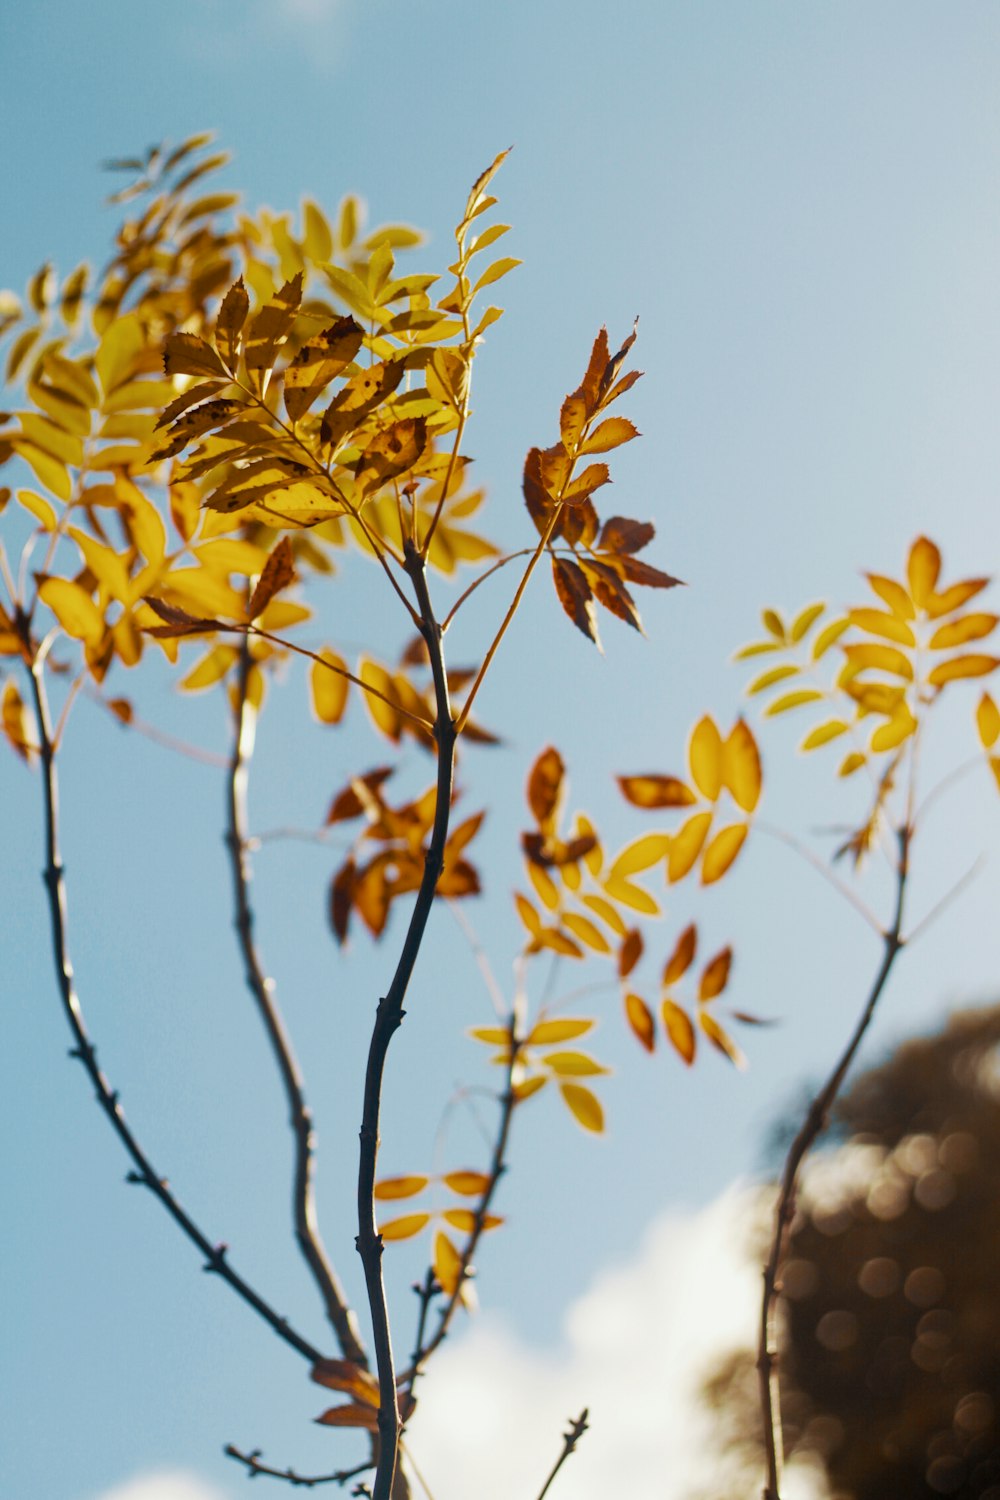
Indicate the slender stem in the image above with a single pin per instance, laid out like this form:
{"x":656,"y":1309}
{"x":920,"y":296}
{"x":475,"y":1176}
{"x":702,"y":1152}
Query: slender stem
{"x":498,"y":1167}
{"x":812,"y":1126}
{"x":946,"y":900}
{"x":366,"y":687}
{"x":251,"y":1462}
{"x":307,"y":1234}
{"x":495,"y":568}
{"x":840,"y":886}
{"x":577,"y":1427}
{"x":84,"y":1050}
{"x":388,"y":1018}
{"x":543,"y":542}
{"x":158,"y":736}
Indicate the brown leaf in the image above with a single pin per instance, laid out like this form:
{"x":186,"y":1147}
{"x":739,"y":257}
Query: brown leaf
{"x":575,"y":597}
{"x":619,"y":534}
{"x":277,"y":574}
{"x":178,"y":621}
{"x":269,"y":328}
{"x":545,"y":788}
{"x":185,"y":354}
{"x":229,"y":325}
{"x":611,"y":592}
{"x":647,"y":576}
{"x":319,"y":361}
{"x":536,"y":497}
{"x":342,"y":899}
{"x":357,"y":796}
{"x":391,"y":452}
{"x":362,"y":395}
{"x":656,"y":791}
{"x":630,"y":952}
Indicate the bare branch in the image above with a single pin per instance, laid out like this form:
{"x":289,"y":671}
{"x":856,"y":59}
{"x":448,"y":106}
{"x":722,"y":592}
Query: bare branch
{"x":251,"y":1462}
{"x":215,"y":1254}
{"x":577,"y":1427}
{"x":307,"y":1234}
{"x":388,"y":1018}
{"x":813,"y":1125}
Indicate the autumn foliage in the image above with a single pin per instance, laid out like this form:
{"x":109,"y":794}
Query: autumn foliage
{"x":234,"y":405}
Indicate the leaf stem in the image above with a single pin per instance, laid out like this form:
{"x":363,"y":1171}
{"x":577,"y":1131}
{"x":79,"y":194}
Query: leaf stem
{"x":307,"y":1234}
{"x":840,"y":886}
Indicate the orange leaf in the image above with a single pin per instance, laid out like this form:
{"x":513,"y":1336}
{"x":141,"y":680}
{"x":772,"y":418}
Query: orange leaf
{"x":469,"y":1184}
{"x":399,"y":1187}
{"x":545,"y":788}
{"x":350,"y":1416}
{"x":640,"y":1019}
{"x":679,"y":1030}
{"x":277,"y":574}
{"x":656,"y":791}
{"x":715,"y":975}
{"x":630,"y":952}
{"x":721,"y":1039}
{"x":893,"y":594}
{"x":680,"y":960}
{"x":405,"y":1227}
{"x":447,"y":1264}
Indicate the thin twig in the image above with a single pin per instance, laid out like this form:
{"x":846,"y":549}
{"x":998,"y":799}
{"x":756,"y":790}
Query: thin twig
{"x":498,"y":1167}
{"x":946,"y":900}
{"x":158,"y":736}
{"x":388,"y":1018}
{"x":577,"y":1427}
{"x":366,"y":687}
{"x":307,"y":1234}
{"x":84,"y":1050}
{"x":811,"y":1128}
{"x":495,"y":568}
{"x":251,"y":1462}
{"x":821,"y":868}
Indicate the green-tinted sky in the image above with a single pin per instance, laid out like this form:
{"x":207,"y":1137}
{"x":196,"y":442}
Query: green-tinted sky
{"x":801,"y":203}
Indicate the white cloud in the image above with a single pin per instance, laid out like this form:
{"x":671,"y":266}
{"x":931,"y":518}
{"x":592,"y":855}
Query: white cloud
{"x":173,"y":1484}
{"x":637,"y":1347}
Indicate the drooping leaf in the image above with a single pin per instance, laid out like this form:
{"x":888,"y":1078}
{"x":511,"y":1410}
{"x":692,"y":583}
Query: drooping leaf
{"x":575,"y":596}
{"x":640,"y":1019}
{"x":741,"y":768}
{"x":685,"y":846}
{"x":73,"y":607}
{"x":680,"y":1032}
{"x":584,"y":1106}
{"x":583,"y":929}
{"x":682,"y":957}
{"x":721,"y":1039}
{"x":627,"y":893}
{"x":447,"y":1264}
{"x":630,"y":952}
{"x":545,"y":788}
{"x":715,"y":975}
{"x":721,"y":852}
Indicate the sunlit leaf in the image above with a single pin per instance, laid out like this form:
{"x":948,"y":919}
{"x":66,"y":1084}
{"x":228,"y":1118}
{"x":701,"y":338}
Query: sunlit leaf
{"x":715,"y":975}
{"x":705,"y":758}
{"x":405,"y":1227}
{"x":656,"y":791}
{"x":954,"y":597}
{"x":679,"y":1030}
{"x":922,"y":569}
{"x":268,"y":329}
{"x":988,"y":722}
{"x":584,"y":1105}
{"x":543,"y":1033}
{"x":893,"y":594}
{"x":606,"y":912}
{"x":228,"y":327}
{"x":17,"y":723}
{"x":962,"y":666}
{"x":575,"y":596}
{"x":469,"y":1184}
{"x":73,"y":608}
{"x":899,"y":728}
{"x":878,"y":622}
{"x":493,"y":1036}
{"x":959,"y":632}
{"x":851,"y":763}
{"x":875,"y":658}
{"x":39,"y":507}
{"x":447,"y":1264}
{"x":466,"y":1222}
{"x":823,"y":733}
{"x":804,"y":621}
{"x":399,"y":1187}
{"x":545,"y":788}
{"x":722,"y":851}
{"x":278,"y":573}
{"x":640,"y":1019}
{"x":721,"y":1039}
{"x":350,"y":1415}
{"x":585,"y":930}
{"x":572,"y":1065}
{"x":769,"y":678}
{"x":186,"y":354}
{"x":685,"y":846}
{"x":792,"y":700}
{"x":641,"y":854}
{"x":627,"y":893}
{"x":528,"y":914}
{"x":827,"y":637}
{"x":741,"y":768}
{"x":682,"y":957}
{"x":320,"y":359}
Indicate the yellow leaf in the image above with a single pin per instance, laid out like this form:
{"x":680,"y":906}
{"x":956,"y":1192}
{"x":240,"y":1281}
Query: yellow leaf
{"x":610,"y":433}
{"x":741,"y":771}
{"x":792,"y":700}
{"x":121,"y":344}
{"x":399,"y":1187}
{"x":17,"y":725}
{"x":606,"y":912}
{"x":823,"y":733}
{"x":827,"y":637}
{"x":705,"y":758}
{"x":211,"y":669}
{"x":641,"y":854}
{"x":873,"y":658}
{"x":656,"y":791}
{"x":954,"y":597}
{"x":572,"y":1064}
{"x":495,"y":271}
{"x":768,"y":679}
{"x":686,"y":845}
{"x":48,"y":470}
{"x":715,"y":975}
{"x":640,"y":1019}
{"x":545,"y":886}
{"x":627,"y":893}
{"x":877,"y":622}
{"x":755,"y":648}
{"x":493,"y":1036}
{"x":383,"y":715}
{"x":552,"y":937}
{"x":722,"y":851}
{"x":469,"y":1184}
{"x":681,"y":959}
{"x":528,"y":914}
{"x":405,"y":1227}
{"x":721,"y":1039}
{"x":580,"y":927}
{"x":962,"y":666}
{"x":108,"y":567}
{"x":774,"y":623}
{"x":679,"y":1030}
{"x":988,"y":722}
{"x":803,"y":622}
{"x":328,"y":687}
{"x":959,"y":632}
{"x":584,"y":1105}
{"x":73,"y":608}
{"x":899,"y":728}
{"x":566,"y":1030}
{"x":447,"y":1264}
{"x":39,"y":507}
{"x":851,"y":763}
{"x":464,"y":1220}
{"x":893,"y":594}
{"x":922,"y":569}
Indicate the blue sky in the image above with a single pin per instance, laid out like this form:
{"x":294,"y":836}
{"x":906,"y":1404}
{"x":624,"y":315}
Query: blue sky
{"x":801,"y":204}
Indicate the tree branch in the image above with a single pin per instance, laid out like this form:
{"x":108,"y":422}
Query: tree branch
{"x":251,"y":1462}
{"x":577,"y":1427}
{"x":84,"y":1050}
{"x":307,"y":1234}
{"x":388,"y":1018}
{"x":814,"y":1123}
